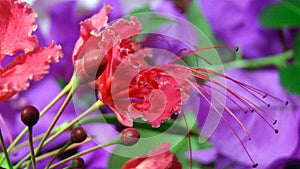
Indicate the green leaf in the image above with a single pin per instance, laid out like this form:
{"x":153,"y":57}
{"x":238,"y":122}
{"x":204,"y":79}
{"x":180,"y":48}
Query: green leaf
{"x":290,"y":78}
{"x":141,"y":10}
{"x":196,"y":17}
{"x":296,"y":48}
{"x":294,"y":2}
{"x":282,"y":14}
{"x":4,"y":164}
{"x":150,"y":20}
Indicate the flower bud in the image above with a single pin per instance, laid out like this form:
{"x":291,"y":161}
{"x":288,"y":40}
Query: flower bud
{"x":91,"y":65}
{"x":30,"y":116}
{"x":78,"y":162}
{"x":129,"y":136}
{"x":78,"y":135}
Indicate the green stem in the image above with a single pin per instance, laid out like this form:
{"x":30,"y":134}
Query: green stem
{"x":74,"y":85}
{"x":59,"y":113}
{"x":23,"y":132}
{"x":59,"y":152}
{"x":4,"y":150}
{"x":276,"y":60}
{"x":115,"y":141}
{"x":52,"y":153}
{"x":70,"y":166}
{"x":111,"y":119}
{"x":31,"y":147}
{"x":94,"y":107}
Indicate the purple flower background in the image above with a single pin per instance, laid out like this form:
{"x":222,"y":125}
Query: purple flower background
{"x":234,"y":23}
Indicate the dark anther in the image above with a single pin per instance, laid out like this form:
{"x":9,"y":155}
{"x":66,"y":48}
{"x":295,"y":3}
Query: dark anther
{"x":236,"y":48}
{"x":276,"y":131}
{"x":255,"y":165}
{"x":274,"y":122}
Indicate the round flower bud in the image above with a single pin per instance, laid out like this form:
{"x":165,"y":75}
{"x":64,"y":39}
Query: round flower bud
{"x":129,"y":136}
{"x":78,"y":162}
{"x":30,"y":116}
{"x":78,"y":135}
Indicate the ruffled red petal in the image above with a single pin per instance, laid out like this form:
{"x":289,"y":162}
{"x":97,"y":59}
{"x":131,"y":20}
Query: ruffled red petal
{"x":16,"y":25}
{"x":33,"y":65}
{"x":90,"y":28}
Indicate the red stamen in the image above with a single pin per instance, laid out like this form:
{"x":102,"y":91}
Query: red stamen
{"x":228,"y":124}
{"x":263,"y":93}
{"x":224,"y":106}
{"x":231,"y":99}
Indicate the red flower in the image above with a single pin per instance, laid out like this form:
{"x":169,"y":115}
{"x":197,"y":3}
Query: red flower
{"x":135,"y":87}
{"x":160,"y":158}
{"x":128,"y":85}
{"x":16,"y":25}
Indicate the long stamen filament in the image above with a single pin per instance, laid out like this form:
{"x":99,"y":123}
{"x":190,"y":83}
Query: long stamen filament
{"x":226,"y":108}
{"x":227,"y":123}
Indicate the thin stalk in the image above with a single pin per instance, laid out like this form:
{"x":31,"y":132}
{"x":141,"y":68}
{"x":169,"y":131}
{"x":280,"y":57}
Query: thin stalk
{"x":23,"y":132}
{"x":95,"y":106}
{"x":50,"y":154}
{"x":4,"y":151}
{"x":74,"y":86}
{"x":59,"y":113}
{"x":31,"y":147}
{"x":61,"y":150}
{"x":279,"y":60}
{"x":115,"y":141}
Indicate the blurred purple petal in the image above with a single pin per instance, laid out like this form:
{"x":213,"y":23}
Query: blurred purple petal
{"x":236,"y":23}
{"x":205,"y":156}
{"x":285,"y":163}
{"x":224,"y":162}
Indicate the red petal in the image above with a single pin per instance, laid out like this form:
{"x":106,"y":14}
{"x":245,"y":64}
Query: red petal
{"x":16,"y":25}
{"x":160,"y":158}
{"x":90,"y":27}
{"x":161,"y":95}
{"x":110,"y":93}
{"x":133,"y":162}
{"x":33,"y":65}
